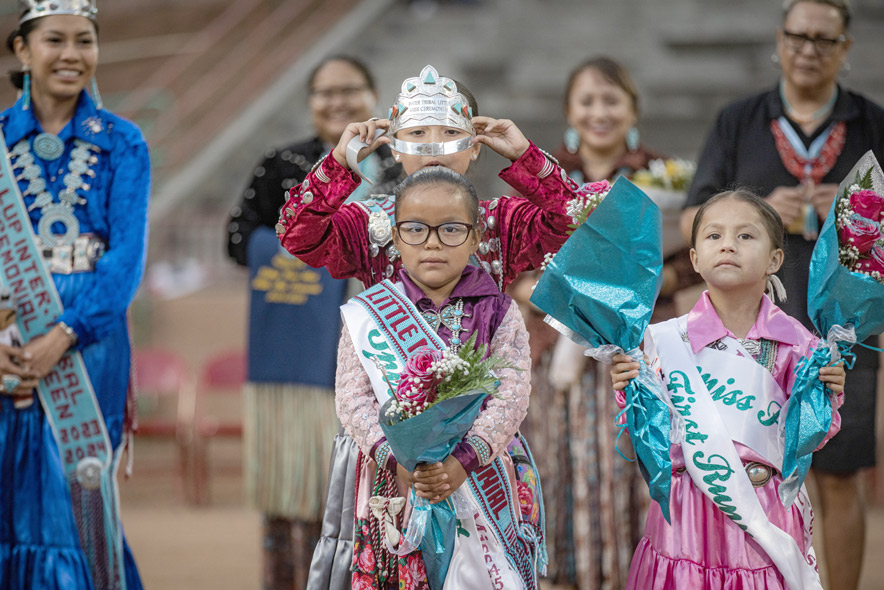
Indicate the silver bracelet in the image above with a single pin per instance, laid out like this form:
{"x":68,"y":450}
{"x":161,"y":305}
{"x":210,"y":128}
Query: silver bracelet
{"x":70,"y":332}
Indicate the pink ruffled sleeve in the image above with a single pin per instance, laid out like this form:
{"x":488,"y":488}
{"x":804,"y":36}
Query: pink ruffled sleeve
{"x":355,"y":402}
{"x":500,"y":419}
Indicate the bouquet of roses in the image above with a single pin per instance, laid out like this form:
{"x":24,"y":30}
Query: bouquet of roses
{"x":604,"y":301}
{"x":434,"y":404}
{"x":845,"y":302}
{"x":436,"y":401}
{"x":589,"y":196}
{"x":859,"y":217}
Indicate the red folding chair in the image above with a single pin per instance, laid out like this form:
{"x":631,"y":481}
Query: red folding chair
{"x":219,"y":388}
{"x":166,"y":395}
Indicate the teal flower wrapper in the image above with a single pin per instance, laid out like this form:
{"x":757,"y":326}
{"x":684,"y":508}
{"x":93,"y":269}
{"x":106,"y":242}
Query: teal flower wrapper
{"x":601,"y":288}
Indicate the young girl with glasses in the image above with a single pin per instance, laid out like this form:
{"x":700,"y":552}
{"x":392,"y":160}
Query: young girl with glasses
{"x":436,"y":236}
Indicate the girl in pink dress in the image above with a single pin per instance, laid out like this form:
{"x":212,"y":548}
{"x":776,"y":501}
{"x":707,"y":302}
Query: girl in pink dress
{"x":728,"y":367}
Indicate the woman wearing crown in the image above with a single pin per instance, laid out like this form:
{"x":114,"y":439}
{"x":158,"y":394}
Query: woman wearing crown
{"x":74,"y":187}
{"x":433,"y":122}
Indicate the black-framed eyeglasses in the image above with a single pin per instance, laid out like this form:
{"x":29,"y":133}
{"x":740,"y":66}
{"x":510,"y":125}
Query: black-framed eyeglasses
{"x":416,"y":233}
{"x":823,"y":46}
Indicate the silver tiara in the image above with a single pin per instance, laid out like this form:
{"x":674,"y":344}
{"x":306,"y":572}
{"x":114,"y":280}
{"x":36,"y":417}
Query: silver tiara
{"x":31,"y":9}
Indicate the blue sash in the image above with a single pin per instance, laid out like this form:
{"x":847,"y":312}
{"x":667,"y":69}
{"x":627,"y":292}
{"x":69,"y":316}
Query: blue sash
{"x":66,"y":393}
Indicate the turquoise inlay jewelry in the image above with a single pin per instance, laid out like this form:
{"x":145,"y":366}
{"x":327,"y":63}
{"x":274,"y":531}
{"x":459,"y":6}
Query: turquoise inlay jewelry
{"x":48,"y":147}
{"x":54,"y":213}
{"x":450,"y":316}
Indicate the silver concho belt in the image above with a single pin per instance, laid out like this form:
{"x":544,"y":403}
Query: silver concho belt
{"x":80,"y":256}
{"x":759,"y":473}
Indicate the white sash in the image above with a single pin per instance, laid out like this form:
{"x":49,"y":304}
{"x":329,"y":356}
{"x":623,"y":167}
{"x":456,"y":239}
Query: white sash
{"x":715,"y":466}
{"x":386,"y":327}
{"x":747,"y":397}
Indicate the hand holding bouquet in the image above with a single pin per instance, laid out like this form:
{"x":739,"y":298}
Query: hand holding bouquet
{"x":436,"y":401}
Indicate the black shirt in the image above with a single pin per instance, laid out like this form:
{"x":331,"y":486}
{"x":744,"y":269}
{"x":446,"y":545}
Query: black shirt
{"x":741,"y":151}
{"x":279,"y":171}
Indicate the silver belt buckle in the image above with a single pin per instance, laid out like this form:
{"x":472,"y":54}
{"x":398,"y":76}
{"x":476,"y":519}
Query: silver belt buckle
{"x":759,"y":473}
{"x":80,"y":256}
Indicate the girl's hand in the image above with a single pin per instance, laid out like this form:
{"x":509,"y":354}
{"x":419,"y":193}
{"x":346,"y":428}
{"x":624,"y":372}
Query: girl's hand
{"x":365,"y":132}
{"x":834,"y":376}
{"x":502,"y":136}
{"x":47,"y":350}
{"x":623,"y":370}
{"x":437,"y":481}
{"x":15,"y":361}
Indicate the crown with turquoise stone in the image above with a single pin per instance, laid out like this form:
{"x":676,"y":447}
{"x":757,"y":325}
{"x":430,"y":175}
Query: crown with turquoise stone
{"x":430,"y":99}
{"x":31,"y":9}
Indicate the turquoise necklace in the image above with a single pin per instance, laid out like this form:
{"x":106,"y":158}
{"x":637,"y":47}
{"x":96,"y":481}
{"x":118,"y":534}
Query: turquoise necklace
{"x":50,"y":148}
{"x":814,"y":116}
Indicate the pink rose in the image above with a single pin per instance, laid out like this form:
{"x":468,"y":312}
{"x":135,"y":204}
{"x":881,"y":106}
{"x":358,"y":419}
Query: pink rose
{"x":419,"y":364}
{"x":596,"y":187}
{"x":362,"y":582}
{"x":867,"y":203}
{"x":366,"y":560}
{"x":526,"y":499}
{"x":875,"y":262}
{"x":418,"y":382}
{"x":861,"y":233}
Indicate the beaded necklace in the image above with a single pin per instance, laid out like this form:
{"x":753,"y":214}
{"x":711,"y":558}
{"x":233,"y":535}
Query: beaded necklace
{"x":82,"y":160}
{"x":814,"y":116}
{"x":764,"y":351}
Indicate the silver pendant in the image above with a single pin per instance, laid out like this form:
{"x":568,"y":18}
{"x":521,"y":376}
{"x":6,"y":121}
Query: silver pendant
{"x":48,"y":147}
{"x":373,"y":250}
{"x":58,"y":213}
{"x":496,"y":266}
{"x":483,"y":248}
{"x":492,"y":223}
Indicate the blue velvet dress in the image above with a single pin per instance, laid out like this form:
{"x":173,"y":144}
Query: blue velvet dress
{"x":39,"y":544}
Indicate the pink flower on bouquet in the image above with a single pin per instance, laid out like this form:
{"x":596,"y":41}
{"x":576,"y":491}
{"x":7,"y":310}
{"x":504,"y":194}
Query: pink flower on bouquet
{"x":867,"y":203}
{"x":418,"y":381}
{"x":860,"y":232}
{"x":602,"y":186}
{"x":874,"y":263}
{"x":526,"y":498}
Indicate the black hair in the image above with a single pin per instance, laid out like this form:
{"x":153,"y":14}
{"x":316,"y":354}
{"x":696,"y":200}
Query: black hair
{"x":771,"y":220}
{"x":357,"y":64}
{"x":17,"y":77}
{"x":842,"y":6}
{"x":439,"y":175}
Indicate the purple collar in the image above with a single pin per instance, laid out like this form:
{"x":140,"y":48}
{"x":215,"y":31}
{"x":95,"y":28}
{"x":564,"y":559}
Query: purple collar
{"x":474,"y":282}
{"x":772,"y":323}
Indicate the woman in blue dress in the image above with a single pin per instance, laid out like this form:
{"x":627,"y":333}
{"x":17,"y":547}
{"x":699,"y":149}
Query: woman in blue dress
{"x":84,"y":175}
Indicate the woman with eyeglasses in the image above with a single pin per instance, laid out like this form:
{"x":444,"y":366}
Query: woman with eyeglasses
{"x":794,"y":143}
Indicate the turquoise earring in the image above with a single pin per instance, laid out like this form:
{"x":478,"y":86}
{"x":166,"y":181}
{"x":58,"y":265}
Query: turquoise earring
{"x":96,"y":97}
{"x":572,"y":140}
{"x":632,"y":139}
{"x":26,"y":88}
